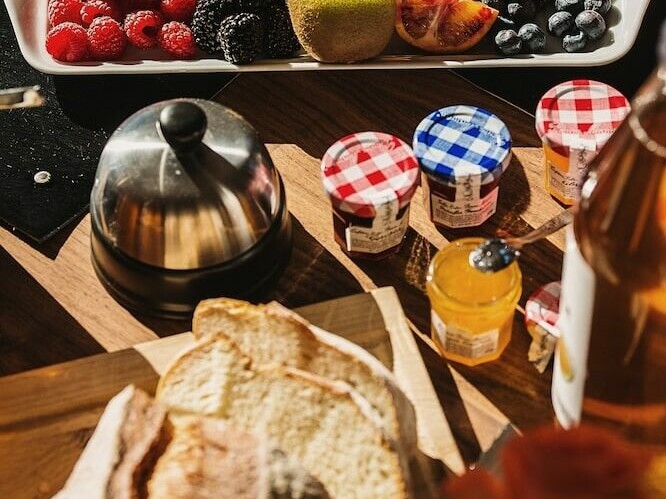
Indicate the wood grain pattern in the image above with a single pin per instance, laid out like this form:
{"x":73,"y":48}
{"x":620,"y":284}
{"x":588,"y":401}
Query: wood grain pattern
{"x":299,"y":115}
{"x":322,"y":108}
{"x":51,"y":411}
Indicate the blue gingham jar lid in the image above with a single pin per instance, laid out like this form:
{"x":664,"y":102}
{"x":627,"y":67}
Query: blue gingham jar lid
{"x":459,"y":141}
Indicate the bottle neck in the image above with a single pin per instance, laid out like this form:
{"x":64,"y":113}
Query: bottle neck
{"x":651,"y":96}
{"x":620,"y":224}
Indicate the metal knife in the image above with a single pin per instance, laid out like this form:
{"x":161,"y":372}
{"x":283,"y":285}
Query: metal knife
{"x":490,"y":460}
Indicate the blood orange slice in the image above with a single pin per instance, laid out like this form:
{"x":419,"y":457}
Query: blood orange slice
{"x":443,"y":25}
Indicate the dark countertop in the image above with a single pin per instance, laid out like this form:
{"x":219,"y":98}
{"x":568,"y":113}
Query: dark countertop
{"x":66,"y":137}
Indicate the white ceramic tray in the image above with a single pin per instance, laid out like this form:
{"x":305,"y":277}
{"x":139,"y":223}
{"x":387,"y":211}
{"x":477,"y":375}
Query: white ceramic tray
{"x":30,"y":24}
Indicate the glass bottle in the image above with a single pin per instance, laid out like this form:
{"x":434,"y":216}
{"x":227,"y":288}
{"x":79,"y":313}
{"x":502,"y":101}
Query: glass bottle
{"x":617,"y":320}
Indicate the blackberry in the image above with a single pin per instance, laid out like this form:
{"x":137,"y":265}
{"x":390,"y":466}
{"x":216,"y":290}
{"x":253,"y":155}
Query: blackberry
{"x":208,"y":16}
{"x":279,"y":37}
{"x":240,"y":37}
{"x":251,"y":6}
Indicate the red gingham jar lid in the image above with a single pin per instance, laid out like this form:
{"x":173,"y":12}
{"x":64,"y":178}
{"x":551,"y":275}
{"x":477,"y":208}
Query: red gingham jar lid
{"x":578,"y":109}
{"x":543,"y":307}
{"x":362,"y":169}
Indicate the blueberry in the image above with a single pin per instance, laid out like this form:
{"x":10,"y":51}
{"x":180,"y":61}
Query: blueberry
{"x":574,"y":43}
{"x":531,"y":5}
{"x":496,"y":4}
{"x":540,"y":4}
{"x":591,"y":23}
{"x":504,"y":22}
{"x":522,"y":12}
{"x":601,"y":6}
{"x":508,"y":42}
{"x":571,"y":6}
{"x":560,"y":23}
{"x":534,"y":40}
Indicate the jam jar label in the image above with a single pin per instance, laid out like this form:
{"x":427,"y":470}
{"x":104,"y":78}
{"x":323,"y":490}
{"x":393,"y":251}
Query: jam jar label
{"x":468,"y":209}
{"x":460,"y":342}
{"x":567,"y":184}
{"x":387,"y":229}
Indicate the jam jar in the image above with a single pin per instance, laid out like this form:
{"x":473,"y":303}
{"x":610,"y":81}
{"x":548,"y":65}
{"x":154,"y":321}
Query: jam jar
{"x":574,"y":120}
{"x":462,"y":151}
{"x":370,"y":179}
{"x":471,"y":311}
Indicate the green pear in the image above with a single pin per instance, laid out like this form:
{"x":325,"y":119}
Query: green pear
{"x":343,"y":30}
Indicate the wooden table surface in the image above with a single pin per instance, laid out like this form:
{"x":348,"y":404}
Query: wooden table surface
{"x":53,"y":309}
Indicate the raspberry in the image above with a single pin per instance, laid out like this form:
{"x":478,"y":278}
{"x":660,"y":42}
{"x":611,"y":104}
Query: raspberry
{"x":61,"y":11}
{"x":176,"y":39}
{"x":67,"y":42}
{"x":142,"y":28}
{"x":178,"y":10}
{"x":127,"y":6}
{"x":106,"y":39}
{"x":99,"y":8}
{"x":240,"y":38}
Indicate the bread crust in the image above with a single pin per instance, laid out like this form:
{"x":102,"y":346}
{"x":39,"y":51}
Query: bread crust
{"x":122,"y":451}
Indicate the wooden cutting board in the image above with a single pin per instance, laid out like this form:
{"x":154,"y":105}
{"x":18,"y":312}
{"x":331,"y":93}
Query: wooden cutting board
{"x":47,"y":415}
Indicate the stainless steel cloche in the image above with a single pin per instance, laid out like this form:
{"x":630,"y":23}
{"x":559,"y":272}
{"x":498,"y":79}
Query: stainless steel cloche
{"x":186,"y":205}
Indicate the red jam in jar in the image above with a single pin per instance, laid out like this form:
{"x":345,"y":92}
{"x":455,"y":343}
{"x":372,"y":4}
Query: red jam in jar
{"x":462,"y":151}
{"x":370,"y":178}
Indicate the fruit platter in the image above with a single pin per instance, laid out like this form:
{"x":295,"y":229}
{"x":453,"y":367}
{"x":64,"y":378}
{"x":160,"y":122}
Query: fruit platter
{"x":160,"y":36}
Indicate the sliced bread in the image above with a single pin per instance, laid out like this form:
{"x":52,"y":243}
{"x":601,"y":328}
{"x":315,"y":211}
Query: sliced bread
{"x":272,"y":335}
{"x":136,"y":452}
{"x":120,"y":454}
{"x":207,"y":459}
{"x":330,"y":429}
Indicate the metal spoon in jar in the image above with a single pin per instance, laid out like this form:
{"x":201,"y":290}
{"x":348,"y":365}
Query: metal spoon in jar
{"x":496,"y":254}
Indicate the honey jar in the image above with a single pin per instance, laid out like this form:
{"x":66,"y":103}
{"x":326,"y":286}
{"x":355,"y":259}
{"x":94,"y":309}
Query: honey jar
{"x":471,"y":312}
{"x":370,"y":179}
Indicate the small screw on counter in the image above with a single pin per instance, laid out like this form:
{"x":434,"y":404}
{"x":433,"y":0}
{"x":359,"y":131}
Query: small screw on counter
{"x":42,"y":177}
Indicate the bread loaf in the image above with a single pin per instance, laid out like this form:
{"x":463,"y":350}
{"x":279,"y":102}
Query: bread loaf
{"x":206,"y":459}
{"x":120,"y":454}
{"x":136,"y":452}
{"x":330,"y":429}
{"x":271,"y":334}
